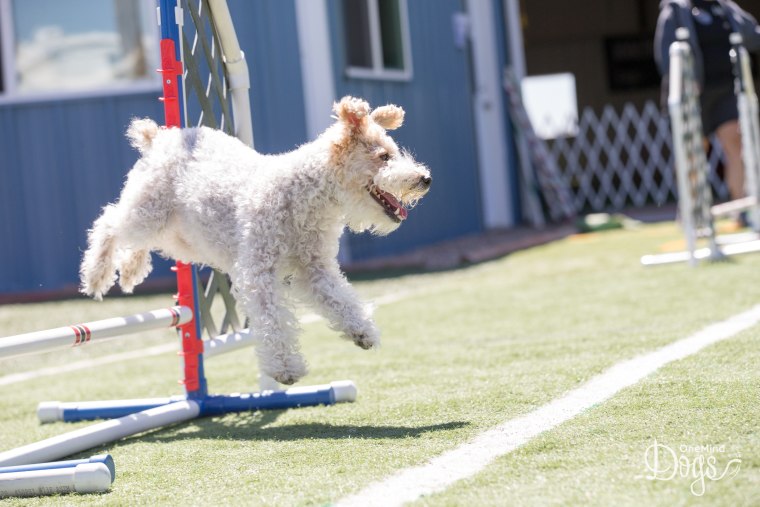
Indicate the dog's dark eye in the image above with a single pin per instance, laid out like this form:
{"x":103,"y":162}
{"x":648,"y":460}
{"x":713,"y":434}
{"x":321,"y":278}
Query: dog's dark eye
{"x":385,"y":157}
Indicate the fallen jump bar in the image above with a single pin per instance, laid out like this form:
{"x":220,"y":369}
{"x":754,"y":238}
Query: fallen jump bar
{"x":733,"y":206}
{"x":82,"y":478}
{"x":98,"y":434}
{"x":82,"y":333}
{"x":105,"y":459}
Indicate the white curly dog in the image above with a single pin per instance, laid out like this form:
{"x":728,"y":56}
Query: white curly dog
{"x":272,"y":222}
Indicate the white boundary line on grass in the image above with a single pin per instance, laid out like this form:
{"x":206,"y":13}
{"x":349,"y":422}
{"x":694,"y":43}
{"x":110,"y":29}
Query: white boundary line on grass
{"x":157,"y":350}
{"x":470,"y":458}
{"x":88,"y":363}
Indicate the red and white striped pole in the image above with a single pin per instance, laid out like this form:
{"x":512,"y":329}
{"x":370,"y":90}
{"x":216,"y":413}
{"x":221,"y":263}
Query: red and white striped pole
{"x":79,"y":334}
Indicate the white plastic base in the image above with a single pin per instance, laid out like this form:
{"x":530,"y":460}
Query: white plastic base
{"x":345,"y":391}
{"x":701,"y":253}
{"x":49,"y":411}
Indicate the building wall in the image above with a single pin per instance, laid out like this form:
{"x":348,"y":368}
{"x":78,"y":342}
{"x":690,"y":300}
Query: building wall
{"x":267,"y":34}
{"x":61,"y":161}
{"x":438,"y":127}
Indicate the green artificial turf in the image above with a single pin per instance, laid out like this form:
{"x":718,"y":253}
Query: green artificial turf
{"x":463,"y":350}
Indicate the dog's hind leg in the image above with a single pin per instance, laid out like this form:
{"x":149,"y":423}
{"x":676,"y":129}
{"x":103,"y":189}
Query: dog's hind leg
{"x":273,"y":323}
{"x":134,"y":266}
{"x":98,"y":269}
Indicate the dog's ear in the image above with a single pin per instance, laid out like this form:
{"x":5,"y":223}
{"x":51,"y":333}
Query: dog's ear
{"x":389,"y":117}
{"x":353,"y":112}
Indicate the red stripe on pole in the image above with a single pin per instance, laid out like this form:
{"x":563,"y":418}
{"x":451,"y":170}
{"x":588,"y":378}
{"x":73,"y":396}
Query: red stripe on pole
{"x":192,"y":346}
{"x":77,"y":335}
{"x":82,"y":334}
{"x":170,"y":70}
{"x":175,"y":317}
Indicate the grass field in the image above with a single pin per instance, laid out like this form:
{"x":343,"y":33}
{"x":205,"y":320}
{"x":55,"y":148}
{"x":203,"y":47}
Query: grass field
{"x":463,"y":351}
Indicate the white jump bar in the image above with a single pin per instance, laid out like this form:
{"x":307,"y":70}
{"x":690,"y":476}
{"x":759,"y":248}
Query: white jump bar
{"x":733,"y":206}
{"x":81,"y":333}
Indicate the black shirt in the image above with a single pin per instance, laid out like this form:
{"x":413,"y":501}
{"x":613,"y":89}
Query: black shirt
{"x":713,"y":29}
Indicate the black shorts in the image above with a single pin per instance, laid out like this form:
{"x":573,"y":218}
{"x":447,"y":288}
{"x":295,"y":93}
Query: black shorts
{"x":718,"y":106}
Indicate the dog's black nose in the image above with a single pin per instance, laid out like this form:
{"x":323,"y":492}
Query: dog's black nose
{"x":426,"y":180}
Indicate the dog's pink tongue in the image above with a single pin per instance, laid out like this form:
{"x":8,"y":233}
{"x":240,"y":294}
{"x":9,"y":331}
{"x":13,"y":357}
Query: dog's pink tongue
{"x":401,"y":212}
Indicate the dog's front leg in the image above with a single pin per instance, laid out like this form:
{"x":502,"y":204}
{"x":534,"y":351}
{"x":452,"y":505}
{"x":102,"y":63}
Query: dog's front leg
{"x":334,"y":297}
{"x":273,"y":324}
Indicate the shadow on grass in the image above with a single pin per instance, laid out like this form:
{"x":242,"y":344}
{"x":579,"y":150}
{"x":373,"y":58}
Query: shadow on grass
{"x":258,"y":426}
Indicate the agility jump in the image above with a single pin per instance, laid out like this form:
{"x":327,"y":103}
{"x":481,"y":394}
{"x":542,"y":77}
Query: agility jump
{"x":129,"y":417}
{"x":696,"y":211}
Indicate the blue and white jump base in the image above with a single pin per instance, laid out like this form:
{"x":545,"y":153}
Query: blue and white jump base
{"x":129,"y":417}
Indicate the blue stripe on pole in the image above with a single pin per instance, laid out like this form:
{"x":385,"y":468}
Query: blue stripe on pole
{"x":107,"y":412}
{"x":267,"y":400}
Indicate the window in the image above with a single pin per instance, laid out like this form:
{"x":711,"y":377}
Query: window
{"x":58,"y":47}
{"x":377,"y":39}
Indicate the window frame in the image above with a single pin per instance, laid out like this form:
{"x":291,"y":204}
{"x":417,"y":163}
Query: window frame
{"x":9,"y":93}
{"x":378,"y":71}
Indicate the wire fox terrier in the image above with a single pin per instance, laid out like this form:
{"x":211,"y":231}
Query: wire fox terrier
{"x":272,"y":222}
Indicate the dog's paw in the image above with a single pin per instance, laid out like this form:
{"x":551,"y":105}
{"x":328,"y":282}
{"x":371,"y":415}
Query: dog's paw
{"x":288,"y":371}
{"x":95,"y":293}
{"x":286,"y":378}
{"x":367,"y":338}
{"x":366,"y":342}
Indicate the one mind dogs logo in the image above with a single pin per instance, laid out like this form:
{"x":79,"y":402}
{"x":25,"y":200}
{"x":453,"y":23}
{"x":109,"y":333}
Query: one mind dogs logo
{"x":700,"y":463}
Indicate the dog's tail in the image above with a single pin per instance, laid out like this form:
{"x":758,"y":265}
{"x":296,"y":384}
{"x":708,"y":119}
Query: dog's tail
{"x":141,"y":132}
{"x":98,"y":269}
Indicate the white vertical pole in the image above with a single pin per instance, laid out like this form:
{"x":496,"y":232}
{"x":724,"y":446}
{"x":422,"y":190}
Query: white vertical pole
{"x":7,"y":47}
{"x":516,"y":49}
{"x":316,"y":64}
{"x":680,"y":158}
{"x":750,"y":131}
{"x":513,"y":25}
{"x":317,"y":80}
{"x":490,"y":125}
{"x":237,"y":70}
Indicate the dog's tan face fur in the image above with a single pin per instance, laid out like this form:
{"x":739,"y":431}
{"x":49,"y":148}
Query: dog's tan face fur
{"x":383,"y":181}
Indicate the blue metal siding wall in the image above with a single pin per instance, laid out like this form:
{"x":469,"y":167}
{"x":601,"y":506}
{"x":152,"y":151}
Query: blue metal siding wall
{"x":438,"y":128}
{"x":512,"y":160}
{"x":268,"y":36}
{"x":59,"y":164}
{"x":62,"y":161}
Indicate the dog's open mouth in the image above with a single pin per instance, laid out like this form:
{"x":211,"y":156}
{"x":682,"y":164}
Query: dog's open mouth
{"x":390,"y":204}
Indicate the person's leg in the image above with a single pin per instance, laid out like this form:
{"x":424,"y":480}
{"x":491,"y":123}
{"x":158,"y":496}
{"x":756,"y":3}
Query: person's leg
{"x":731,"y":141}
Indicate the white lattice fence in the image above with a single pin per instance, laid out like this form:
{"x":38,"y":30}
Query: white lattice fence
{"x":623,"y":159}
